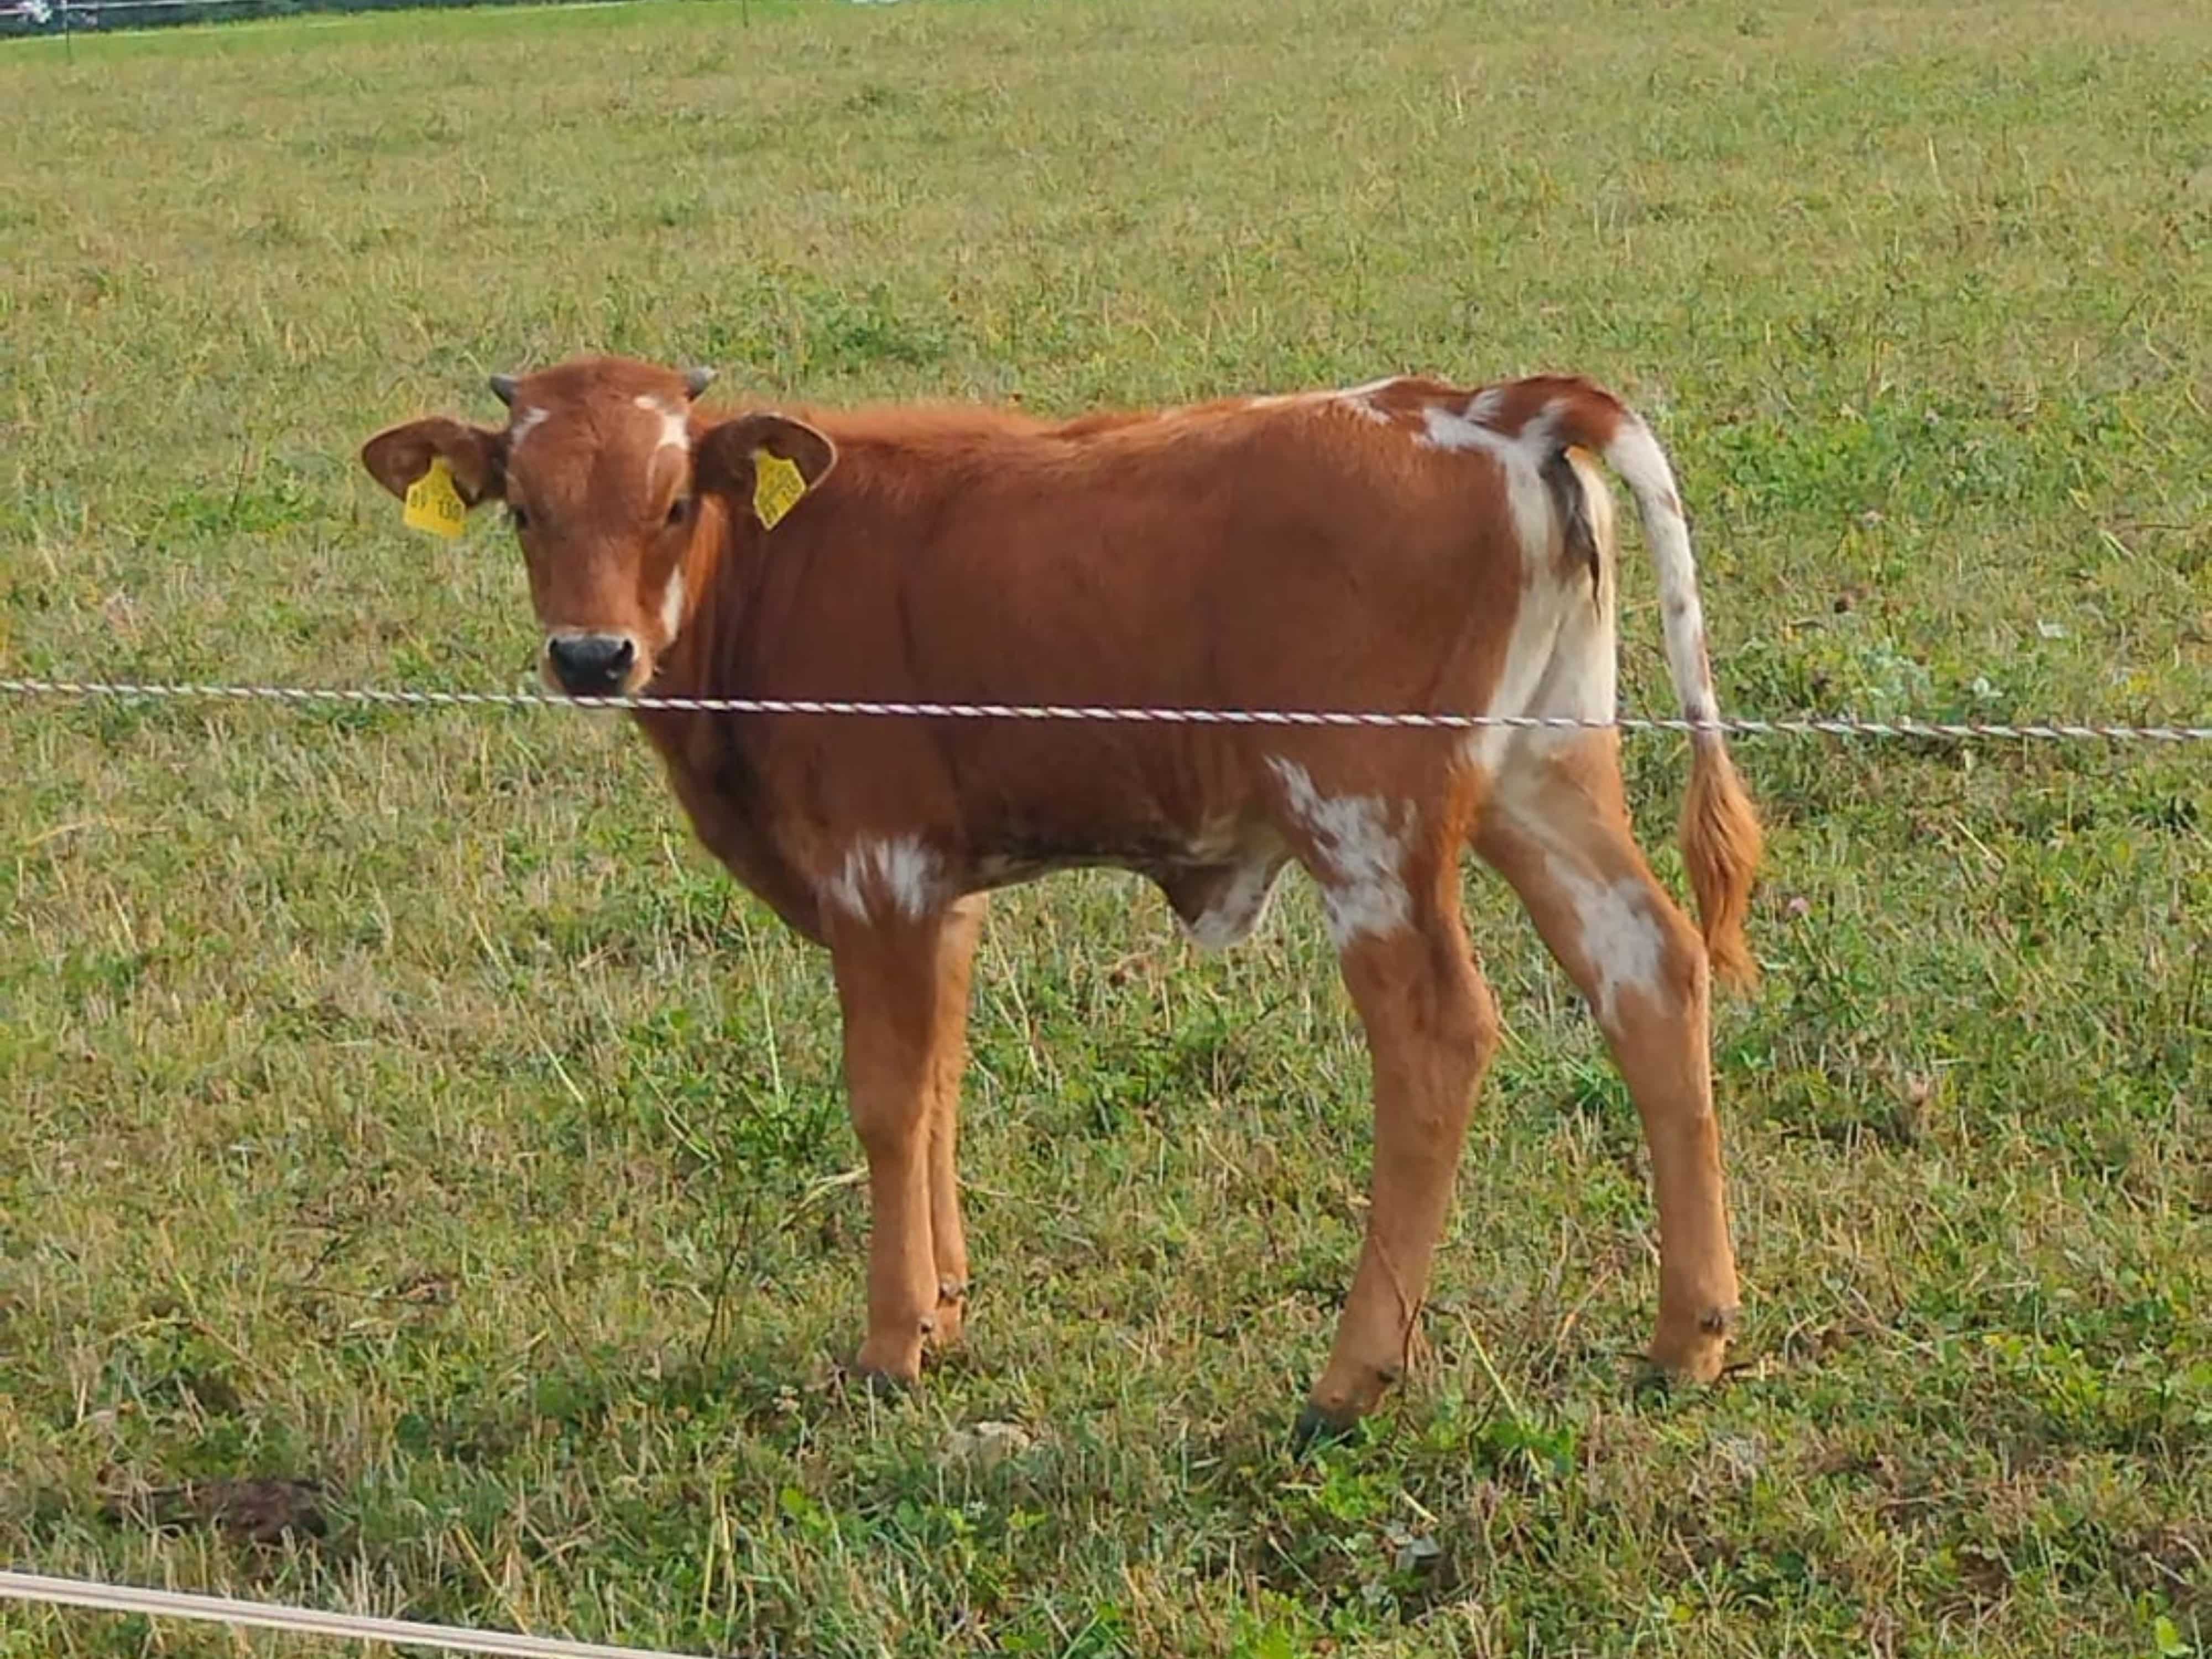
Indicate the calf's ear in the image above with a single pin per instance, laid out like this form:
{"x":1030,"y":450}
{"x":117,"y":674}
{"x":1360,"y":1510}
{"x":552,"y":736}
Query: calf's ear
{"x":768,"y":463}
{"x":398,"y":456}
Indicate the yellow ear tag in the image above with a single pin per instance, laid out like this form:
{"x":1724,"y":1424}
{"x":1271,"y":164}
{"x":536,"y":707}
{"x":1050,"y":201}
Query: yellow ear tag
{"x":777,"y":486}
{"x":433,"y":503}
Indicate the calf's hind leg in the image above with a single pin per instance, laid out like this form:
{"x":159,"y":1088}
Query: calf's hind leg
{"x":1556,"y":826}
{"x":1431,"y":1026}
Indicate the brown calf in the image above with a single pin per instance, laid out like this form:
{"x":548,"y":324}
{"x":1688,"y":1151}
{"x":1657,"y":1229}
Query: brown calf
{"x":1399,"y":546}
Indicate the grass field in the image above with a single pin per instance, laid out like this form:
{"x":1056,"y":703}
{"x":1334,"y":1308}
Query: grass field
{"x":400,"y":1103}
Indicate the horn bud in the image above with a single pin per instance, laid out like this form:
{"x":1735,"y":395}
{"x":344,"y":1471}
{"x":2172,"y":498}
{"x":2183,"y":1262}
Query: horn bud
{"x":503,"y":386}
{"x":696,"y":380}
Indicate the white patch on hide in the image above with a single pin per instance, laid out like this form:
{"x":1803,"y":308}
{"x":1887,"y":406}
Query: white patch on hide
{"x":899,"y":871}
{"x":1360,"y":400}
{"x":1579,"y":668}
{"x":1620,"y":936}
{"x":1529,"y":655}
{"x":1361,"y":854}
{"x":675,"y":423}
{"x":1520,"y":459}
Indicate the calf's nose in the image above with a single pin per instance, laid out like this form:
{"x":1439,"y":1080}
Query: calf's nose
{"x":591,"y":664}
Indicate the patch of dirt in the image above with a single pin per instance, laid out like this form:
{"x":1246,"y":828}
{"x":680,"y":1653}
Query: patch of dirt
{"x":253,"y":1511}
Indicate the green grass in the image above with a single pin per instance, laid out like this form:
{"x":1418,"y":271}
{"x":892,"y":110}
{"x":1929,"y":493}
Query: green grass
{"x":400,"y":1101}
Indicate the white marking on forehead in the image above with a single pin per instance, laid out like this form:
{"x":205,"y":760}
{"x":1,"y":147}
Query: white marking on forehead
{"x":526,"y":421}
{"x":899,"y":869}
{"x":675,"y":424}
{"x":671,"y":607}
{"x":1362,"y":884}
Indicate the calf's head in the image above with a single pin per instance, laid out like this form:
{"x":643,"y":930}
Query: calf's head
{"x":611,"y":476}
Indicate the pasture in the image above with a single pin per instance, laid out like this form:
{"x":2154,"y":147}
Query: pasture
{"x":400,"y":1102}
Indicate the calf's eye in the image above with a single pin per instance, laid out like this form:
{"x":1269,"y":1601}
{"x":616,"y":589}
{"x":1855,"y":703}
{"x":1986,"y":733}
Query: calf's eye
{"x":679,"y":510}
{"x":517,"y":517}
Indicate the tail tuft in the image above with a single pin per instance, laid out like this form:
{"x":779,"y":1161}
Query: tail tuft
{"x":1721,"y":845}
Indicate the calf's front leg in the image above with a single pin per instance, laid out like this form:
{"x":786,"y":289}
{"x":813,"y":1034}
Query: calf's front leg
{"x":956,"y":955}
{"x":903,"y":991}
{"x":1431,"y":1028}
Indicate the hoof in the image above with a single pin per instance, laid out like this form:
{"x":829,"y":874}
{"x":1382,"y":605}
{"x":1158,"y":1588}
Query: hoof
{"x":896,"y":1358}
{"x":952,"y":1318}
{"x":883,"y":1382}
{"x":1665,"y":1372}
{"x":1696,"y":1356}
{"x":1317,"y":1427}
{"x":884,"y":1386}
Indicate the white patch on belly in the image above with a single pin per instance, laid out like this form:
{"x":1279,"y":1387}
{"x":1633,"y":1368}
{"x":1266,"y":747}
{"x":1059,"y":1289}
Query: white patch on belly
{"x":899,"y":871}
{"x":675,"y":424}
{"x":1360,"y":854}
{"x":1242,"y":905}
